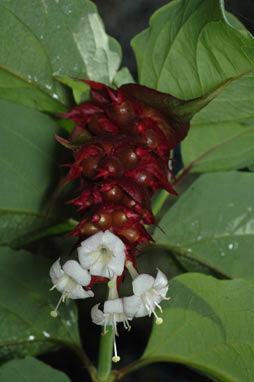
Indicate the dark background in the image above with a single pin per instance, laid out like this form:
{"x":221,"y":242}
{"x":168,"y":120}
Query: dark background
{"x":123,"y":20}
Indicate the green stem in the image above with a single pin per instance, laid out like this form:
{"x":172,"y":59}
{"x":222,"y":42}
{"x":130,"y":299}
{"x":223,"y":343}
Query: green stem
{"x":160,"y":200}
{"x":105,"y":353}
{"x":105,"y":356}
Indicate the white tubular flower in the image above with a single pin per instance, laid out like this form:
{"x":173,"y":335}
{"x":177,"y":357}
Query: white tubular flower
{"x":111,"y":314}
{"x":103,"y":254}
{"x":148,"y":293}
{"x":69,"y":280}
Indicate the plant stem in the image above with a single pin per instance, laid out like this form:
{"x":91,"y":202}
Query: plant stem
{"x":105,"y":356}
{"x":105,"y":353}
{"x":160,"y":200}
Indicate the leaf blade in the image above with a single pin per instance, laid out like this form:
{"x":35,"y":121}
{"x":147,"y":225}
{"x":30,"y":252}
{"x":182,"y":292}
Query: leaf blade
{"x":224,"y":131}
{"x":33,"y":57}
{"x":26,"y":325}
{"x":201,"y":328}
{"x":28,"y":160}
{"x":178,"y":52}
{"x":16,"y":370}
{"x":212,"y":223}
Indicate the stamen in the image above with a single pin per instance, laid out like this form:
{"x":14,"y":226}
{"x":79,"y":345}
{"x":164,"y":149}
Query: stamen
{"x":151,"y":310}
{"x":158,"y":306}
{"x":115,"y":326}
{"x":159,"y":321}
{"x":115,"y":357}
{"x":54,"y":313}
{"x":126,"y":324}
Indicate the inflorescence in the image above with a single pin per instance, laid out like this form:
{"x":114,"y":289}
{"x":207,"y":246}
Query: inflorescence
{"x":121,"y":153}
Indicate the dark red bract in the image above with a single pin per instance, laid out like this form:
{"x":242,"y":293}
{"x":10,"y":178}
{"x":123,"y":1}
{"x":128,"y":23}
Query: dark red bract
{"x":121,"y":165}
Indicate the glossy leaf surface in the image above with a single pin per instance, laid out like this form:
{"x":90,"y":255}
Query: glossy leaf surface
{"x":64,"y":37}
{"x":223,"y":132}
{"x":190,"y":48}
{"x":212,"y":223}
{"x":26,"y":327}
{"x":207,"y":326}
{"x":28,"y":168}
{"x":22,"y":369}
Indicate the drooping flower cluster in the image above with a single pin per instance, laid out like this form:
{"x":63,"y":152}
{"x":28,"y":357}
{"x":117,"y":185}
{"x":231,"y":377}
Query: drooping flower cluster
{"x":104,"y":255}
{"x":121,"y":149}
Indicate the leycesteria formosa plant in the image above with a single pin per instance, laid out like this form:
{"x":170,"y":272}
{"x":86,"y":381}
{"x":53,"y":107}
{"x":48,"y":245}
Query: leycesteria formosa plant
{"x":92,"y":188}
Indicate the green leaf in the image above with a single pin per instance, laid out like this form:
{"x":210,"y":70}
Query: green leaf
{"x":213,"y":224}
{"x":123,"y":77}
{"x":26,"y":326}
{"x":81,"y":91}
{"x":16,"y":89}
{"x":29,"y":168}
{"x":41,"y":39}
{"x":190,"y":48}
{"x":222,"y":134}
{"x":53,"y":230}
{"x":207,"y":326}
{"x":22,"y":369}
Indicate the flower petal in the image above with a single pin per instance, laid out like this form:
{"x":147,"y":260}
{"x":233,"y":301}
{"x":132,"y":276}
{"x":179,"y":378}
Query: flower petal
{"x":73,"y":269}
{"x":142,"y":284}
{"x":56,"y":271}
{"x":101,"y":269}
{"x":92,"y":242}
{"x":116,"y":264}
{"x":92,"y":254}
{"x":113,"y":242}
{"x":62,"y":283}
{"x":97,"y":315}
{"x":161,"y":281}
{"x":87,"y":259}
{"x":131,"y":305}
{"x":79,"y":292}
{"x":114,"y":306}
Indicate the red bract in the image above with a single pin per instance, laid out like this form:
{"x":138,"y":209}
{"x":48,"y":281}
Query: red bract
{"x":123,"y":162}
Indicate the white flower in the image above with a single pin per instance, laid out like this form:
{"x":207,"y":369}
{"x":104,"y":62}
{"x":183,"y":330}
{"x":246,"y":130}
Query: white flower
{"x":69,"y":280}
{"x":111,"y":314}
{"x":148,"y":293}
{"x":103,"y":254}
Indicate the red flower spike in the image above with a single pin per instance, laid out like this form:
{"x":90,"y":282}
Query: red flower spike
{"x":124,"y":161}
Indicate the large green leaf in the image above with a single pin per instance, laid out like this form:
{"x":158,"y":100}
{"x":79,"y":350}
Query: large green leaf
{"x":26,"y":326}
{"x":213,"y":224}
{"x":223,"y":132}
{"x":39,"y":39}
{"x":208,"y":325}
{"x":28,"y":168}
{"x":21,"y":370}
{"x":190,"y":48}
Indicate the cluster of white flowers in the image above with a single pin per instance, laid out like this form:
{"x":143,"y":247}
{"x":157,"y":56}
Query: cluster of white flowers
{"x":103,"y":254}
